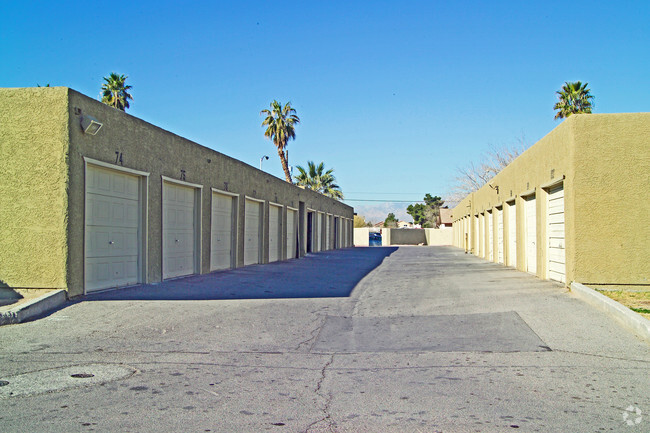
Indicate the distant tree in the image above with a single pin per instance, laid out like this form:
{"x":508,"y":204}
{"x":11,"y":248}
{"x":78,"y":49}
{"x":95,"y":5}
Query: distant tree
{"x":115,"y":92}
{"x":426,"y":214}
{"x":317,"y":179}
{"x":360,"y":221}
{"x":48,"y":85}
{"x":390,"y":221}
{"x":574,"y":98}
{"x":474,"y":175}
{"x":280,"y":122}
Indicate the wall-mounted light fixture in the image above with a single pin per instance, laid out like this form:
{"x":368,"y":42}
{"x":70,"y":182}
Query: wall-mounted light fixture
{"x":262,"y":159}
{"x":90,"y":125}
{"x":494,"y":187}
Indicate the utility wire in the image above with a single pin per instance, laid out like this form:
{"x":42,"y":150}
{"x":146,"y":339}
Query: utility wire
{"x":384,"y":201}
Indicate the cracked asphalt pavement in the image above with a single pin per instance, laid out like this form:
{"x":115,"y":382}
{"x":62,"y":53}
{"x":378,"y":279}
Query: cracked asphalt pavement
{"x":408,"y":339}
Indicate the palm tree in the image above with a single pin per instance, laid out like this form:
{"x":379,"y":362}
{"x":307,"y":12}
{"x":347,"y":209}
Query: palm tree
{"x":317,"y":179}
{"x":574,"y":98}
{"x":115,"y":93}
{"x":280,"y":122}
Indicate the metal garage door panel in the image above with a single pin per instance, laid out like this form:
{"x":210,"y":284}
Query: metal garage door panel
{"x":555,"y":233}
{"x":512,"y":235}
{"x":178,"y":230}
{"x":291,"y":234}
{"x":500,"y":235}
{"x":275,"y":233}
{"x":112,"y":231}
{"x":221,"y":232}
{"x":319,"y":231}
{"x":531,"y":235}
{"x":490,"y":247}
{"x":252,"y":231}
{"x":476,"y":236}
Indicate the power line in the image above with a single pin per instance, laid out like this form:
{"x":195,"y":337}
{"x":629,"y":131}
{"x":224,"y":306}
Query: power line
{"x":384,"y":201}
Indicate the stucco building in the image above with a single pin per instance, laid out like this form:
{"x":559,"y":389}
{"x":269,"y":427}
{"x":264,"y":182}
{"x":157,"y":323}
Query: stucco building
{"x":135,"y":203}
{"x":574,"y":207}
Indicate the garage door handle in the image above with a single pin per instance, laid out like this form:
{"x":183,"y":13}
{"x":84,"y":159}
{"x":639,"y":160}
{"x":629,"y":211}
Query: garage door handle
{"x":110,"y":242}
{"x":177,"y":240}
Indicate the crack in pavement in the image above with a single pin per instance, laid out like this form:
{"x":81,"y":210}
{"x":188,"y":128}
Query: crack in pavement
{"x":327,"y":399}
{"x":313,"y":335}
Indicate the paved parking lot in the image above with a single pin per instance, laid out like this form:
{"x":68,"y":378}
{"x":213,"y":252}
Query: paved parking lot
{"x":357,"y":340}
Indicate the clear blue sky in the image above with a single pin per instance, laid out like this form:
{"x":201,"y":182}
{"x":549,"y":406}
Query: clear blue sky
{"x":393,"y":95}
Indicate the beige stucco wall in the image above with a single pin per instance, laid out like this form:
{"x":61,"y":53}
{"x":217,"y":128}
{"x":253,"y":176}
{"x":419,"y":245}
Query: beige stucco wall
{"x":604,"y":159}
{"x":361,"y":236}
{"x":436,"y":237}
{"x":33,"y":201}
{"x":613,"y":198}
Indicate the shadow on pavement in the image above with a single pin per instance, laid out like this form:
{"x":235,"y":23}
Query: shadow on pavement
{"x":325,"y":274}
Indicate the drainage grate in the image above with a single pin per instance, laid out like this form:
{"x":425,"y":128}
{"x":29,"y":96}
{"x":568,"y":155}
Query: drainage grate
{"x":82,"y":375}
{"x":4,"y":383}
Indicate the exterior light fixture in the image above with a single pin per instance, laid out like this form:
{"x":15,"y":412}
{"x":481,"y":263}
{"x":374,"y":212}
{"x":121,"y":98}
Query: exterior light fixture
{"x":262,"y":159}
{"x":90,"y":125}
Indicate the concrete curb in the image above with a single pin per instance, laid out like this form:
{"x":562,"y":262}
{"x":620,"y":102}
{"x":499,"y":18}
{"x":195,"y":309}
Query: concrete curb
{"x":33,"y":308}
{"x":637,"y":323}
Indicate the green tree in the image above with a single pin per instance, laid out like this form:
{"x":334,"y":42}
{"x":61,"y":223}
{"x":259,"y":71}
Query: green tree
{"x":390,"y":221}
{"x":317,"y":179}
{"x":574,"y":98}
{"x":280,"y":122}
{"x":115,"y":92}
{"x":360,"y":221}
{"x":426,"y":214}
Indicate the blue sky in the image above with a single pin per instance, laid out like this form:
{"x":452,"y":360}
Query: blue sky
{"x":393,"y":95}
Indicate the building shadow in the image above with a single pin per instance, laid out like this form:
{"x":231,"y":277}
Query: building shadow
{"x":327,"y":274}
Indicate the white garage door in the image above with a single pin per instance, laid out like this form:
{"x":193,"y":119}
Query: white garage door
{"x":179,"y":235}
{"x":512,"y":234}
{"x":475,"y":240}
{"x":500,"y":235}
{"x":531,"y":234}
{"x":291,"y":233}
{"x":481,"y":250}
{"x":490,"y":247}
{"x":252,"y":232}
{"x":555,"y":230}
{"x":222,"y":230}
{"x":275,"y":233}
{"x":319,"y":231}
{"x":113,"y":229}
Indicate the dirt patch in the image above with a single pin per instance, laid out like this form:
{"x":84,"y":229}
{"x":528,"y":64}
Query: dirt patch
{"x":635,"y":300}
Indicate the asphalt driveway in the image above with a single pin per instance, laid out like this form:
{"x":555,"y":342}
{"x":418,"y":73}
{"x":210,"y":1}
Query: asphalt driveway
{"x":357,"y":340}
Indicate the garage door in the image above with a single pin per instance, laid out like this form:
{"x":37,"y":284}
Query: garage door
{"x":531,"y":234}
{"x":512,"y":234}
{"x":555,"y":230}
{"x":500,"y":235}
{"x":275,"y":233}
{"x":222,"y":231}
{"x":490,"y":247}
{"x":252,"y":232}
{"x":179,"y":230}
{"x":113,"y":229}
{"x":475,"y":239}
{"x":291,"y":233}
{"x":319,"y":231}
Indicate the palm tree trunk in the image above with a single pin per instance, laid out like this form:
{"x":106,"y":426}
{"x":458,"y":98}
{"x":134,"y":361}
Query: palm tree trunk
{"x":285,"y":165}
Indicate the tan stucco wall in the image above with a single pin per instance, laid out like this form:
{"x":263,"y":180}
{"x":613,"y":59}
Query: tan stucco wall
{"x":613,"y":198}
{"x":33,"y":199}
{"x":604,"y":159}
{"x":147,"y":148}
